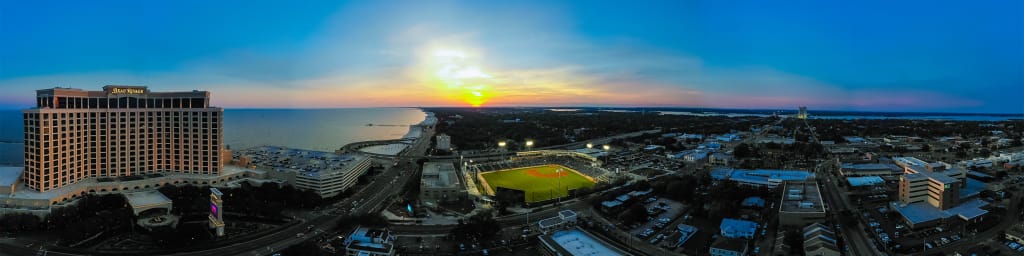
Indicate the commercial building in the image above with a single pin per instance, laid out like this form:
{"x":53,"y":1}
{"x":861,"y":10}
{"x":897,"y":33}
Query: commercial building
{"x":366,"y":241}
{"x":444,"y":142}
{"x":728,"y":247}
{"x":801,"y":204}
{"x":760,"y":178}
{"x":74,"y":134}
{"x":922,"y":215}
{"x":938,"y":190}
{"x":440,"y":183}
{"x":938,"y":184}
{"x":870,"y":169}
{"x":865,"y":181}
{"x":575,"y":242}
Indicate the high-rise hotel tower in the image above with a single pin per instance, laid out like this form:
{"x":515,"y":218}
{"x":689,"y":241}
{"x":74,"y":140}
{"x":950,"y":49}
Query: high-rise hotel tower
{"x":74,"y":134}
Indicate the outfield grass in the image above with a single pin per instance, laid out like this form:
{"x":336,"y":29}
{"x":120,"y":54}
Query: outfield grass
{"x":540,"y":183}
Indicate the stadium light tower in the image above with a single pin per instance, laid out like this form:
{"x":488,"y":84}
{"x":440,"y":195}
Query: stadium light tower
{"x":502,"y":144}
{"x":558,"y":172}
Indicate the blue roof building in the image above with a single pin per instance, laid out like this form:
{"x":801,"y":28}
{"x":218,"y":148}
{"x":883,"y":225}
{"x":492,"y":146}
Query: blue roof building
{"x":760,"y":177}
{"x":753,"y":202}
{"x":923,"y":214}
{"x":865,"y":181}
{"x":733,"y":228}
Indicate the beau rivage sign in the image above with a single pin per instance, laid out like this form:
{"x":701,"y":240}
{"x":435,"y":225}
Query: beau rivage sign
{"x":123,"y":90}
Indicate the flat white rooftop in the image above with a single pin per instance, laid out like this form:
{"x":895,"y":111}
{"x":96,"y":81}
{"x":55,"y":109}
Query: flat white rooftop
{"x":577,"y":243}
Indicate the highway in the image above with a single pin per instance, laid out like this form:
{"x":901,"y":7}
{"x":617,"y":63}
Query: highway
{"x":371,"y":199}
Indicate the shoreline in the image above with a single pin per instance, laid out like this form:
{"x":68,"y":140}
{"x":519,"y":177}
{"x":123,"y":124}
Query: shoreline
{"x":428,"y":120}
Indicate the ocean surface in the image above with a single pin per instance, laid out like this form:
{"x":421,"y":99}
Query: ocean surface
{"x":313,"y":129}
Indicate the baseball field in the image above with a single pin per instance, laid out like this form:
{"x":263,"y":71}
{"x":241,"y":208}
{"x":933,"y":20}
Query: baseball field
{"x":539,"y":183}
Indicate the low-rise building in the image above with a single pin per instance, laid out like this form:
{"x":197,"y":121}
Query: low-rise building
{"x":819,"y":240}
{"x":719,"y":158}
{"x":801,"y":204}
{"x":760,"y":178}
{"x":693,"y":155}
{"x":575,"y":242}
{"x":440,"y":183}
{"x":685,"y":232}
{"x":728,"y":247}
{"x":869,"y":169}
{"x":734,"y":228}
{"x":923,"y":215}
{"x":565,"y":218}
{"x":443,"y":142}
{"x":865,"y":181}
{"x":728,"y":137}
{"x":366,"y":241}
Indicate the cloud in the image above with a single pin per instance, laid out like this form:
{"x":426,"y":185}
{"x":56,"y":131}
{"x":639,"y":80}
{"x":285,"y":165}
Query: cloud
{"x":382,"y":55}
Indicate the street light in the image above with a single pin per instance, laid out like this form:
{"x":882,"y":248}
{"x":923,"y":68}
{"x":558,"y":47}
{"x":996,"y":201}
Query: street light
{"x":501,"y":144}
{"x":607,"y":147}
{"x":590,"y":145}
{"x":529,"y":143}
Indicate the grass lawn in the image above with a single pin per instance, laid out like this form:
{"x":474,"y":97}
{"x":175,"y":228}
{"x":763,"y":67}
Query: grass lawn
{"x":540,"y":183}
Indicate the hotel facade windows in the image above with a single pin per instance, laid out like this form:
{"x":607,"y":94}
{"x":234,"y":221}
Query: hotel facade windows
{"x":74,"y":134}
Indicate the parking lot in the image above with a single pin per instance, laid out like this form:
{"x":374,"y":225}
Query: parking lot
{"x":663,"y":212}
{"x":628,"y":160}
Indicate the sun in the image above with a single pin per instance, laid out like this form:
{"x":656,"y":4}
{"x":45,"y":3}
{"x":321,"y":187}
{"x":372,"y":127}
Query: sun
{"x":461,"y":78}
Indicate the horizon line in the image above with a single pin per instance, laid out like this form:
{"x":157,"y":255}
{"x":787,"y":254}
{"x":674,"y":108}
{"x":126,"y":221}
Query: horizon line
{"x":600,"y":107}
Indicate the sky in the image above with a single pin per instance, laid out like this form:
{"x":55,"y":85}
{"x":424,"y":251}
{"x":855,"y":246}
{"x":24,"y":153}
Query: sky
{"x":929,"y":56}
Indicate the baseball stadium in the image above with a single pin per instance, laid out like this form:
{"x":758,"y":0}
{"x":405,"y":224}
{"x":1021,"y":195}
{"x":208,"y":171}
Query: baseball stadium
{"x":540,"y":176}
